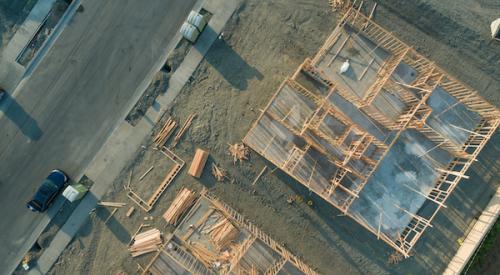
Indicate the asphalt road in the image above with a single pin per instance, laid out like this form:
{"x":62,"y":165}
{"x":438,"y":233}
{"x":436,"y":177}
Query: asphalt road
{"x":68,"y":107}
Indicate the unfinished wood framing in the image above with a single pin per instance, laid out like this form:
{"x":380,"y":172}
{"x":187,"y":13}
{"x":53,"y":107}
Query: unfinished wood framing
{"x":340,"y":134}
{"x":251,"y":250}
{"x":147,"y":204}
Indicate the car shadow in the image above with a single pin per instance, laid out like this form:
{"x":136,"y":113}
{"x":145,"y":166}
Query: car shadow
{"x":16,"y":113}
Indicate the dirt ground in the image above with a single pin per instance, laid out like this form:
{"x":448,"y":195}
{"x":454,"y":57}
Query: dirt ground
{"x":264,"y":42}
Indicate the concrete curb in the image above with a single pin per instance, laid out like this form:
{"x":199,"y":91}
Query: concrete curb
{"x":475,"y":237}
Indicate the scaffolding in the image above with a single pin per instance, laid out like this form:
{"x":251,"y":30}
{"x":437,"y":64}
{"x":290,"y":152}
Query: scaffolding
{"x":343,"y":134}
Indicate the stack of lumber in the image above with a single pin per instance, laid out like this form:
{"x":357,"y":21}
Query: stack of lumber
{"x":238,"y":151}
{"x":165,"y":132}
{"x":199,"y":161}
{"x":182,"y":202}
{"x":219,"y":173}
{"x":223,"y":232}
{"x":206,"y":256}
{"x":183,"y":129}
{"x":145,"y":242}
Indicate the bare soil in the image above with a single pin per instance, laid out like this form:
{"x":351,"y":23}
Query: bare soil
{"x":263,"y":43}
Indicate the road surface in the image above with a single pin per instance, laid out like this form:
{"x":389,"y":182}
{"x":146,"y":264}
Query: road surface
{"x":68,"y":107}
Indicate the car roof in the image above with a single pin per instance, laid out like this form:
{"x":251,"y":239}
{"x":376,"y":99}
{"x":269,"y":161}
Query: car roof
{"x":46,"y":189}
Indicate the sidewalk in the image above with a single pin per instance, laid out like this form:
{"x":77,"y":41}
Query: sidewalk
{"x":126,"y":139}
{"x":475,"y":236}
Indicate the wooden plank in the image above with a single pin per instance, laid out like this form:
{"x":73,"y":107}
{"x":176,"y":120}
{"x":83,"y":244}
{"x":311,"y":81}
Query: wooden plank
{"x":110,"y":215}
{"x":130,"y":211}
{"x":146,"y":173}
{"x":259,"y":175}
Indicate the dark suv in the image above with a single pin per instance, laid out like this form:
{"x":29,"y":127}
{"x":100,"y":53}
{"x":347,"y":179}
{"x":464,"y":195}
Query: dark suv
{"x":49,"y":189}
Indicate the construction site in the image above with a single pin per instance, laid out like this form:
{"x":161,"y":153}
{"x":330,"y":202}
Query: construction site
{"x":386,"y":141}
{"x":313,"y":137}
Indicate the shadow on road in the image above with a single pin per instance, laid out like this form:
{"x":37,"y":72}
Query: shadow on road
{"x":229,"y":63}
{"x":16,"y":113}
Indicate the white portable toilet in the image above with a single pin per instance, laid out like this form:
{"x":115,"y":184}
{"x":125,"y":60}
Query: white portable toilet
{"x":197,"y":20}
{"x":495,"y":29}
{"x":189,"y":32}
{"x":75,"y":192}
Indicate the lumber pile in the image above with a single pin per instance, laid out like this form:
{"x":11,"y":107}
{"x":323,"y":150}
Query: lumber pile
{"x":219,"y":173}
{"x":183,"y":129}
{"x":165,"y":132}
{"x":222,"y":233}
{"x":206,"y":256}
{"x":182,"y":202}
{"x":238,"y":151}
{"x":340,"y":4}
{"x":199,"y":161}
{"x":145,"y":242}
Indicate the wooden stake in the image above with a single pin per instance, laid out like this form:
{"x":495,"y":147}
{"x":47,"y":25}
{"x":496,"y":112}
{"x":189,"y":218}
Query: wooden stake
{"x":130,"y":211}
{"x":110,"y":215}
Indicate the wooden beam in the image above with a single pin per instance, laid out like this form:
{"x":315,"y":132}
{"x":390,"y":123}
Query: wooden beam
{"x":259,"y":175}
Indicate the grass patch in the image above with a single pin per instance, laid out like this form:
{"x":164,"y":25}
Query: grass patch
{"x":484,"y":251}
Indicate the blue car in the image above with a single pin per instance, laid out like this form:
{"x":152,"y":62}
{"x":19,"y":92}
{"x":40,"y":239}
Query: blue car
{"x":49,"y":189}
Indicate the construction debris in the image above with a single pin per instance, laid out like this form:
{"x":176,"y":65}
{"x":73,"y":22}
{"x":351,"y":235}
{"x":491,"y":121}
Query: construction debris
{"x":112,"y":204}
{"x":339,"y":4}
{"x":165,"y":132}
{"x":199,"y":161}
{"x":259,"y":175}
{"x":238,"y":151}
{"x":206,"y":256}
{"x":130,"y":211}
{"x":146,"y":242}
{"x":219,"y":173}
{"x":395,"y":258}
{"x":181,"y":132}
{"x":222,"y":233}
{"x":182,"y":202}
